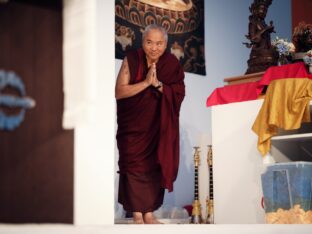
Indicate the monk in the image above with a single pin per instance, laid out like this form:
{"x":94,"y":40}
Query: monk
{"x":149,"y":92}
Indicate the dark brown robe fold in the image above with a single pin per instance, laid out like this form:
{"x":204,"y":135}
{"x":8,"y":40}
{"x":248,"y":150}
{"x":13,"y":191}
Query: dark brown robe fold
{"x":148,"y":134}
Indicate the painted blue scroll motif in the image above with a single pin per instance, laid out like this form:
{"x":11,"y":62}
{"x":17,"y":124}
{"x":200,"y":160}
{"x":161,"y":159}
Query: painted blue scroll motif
{"x":20,"y":102}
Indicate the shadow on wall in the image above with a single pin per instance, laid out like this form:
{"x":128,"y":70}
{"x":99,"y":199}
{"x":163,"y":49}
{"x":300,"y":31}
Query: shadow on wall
{"x":119,"y":211}
{"x":184,"y":185}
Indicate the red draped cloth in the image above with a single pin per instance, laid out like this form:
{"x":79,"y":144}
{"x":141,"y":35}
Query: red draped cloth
{"x":252,"y":90}
{"x":148,"y":134}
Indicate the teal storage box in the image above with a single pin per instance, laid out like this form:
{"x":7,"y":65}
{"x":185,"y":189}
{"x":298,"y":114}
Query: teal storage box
{"x":287,"y":191}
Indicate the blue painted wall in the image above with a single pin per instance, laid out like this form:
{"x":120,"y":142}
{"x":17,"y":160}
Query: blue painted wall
{"x":226,"y":27}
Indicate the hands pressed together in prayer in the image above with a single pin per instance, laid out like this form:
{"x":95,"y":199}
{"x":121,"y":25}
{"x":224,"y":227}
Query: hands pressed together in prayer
{"x":151,"y":77}
{"x":123,"y":87}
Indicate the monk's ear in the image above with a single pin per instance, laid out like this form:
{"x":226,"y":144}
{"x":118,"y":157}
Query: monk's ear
{"x":166,"y":44}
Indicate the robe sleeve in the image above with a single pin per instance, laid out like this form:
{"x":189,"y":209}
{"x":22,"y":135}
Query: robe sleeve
{"x":168,"y":148}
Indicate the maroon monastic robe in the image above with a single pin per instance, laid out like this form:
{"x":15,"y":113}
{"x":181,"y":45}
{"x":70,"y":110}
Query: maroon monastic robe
{"x":148,"y":134}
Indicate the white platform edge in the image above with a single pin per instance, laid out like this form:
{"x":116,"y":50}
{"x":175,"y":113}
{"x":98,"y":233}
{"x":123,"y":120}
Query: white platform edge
{"x":151,"y":229}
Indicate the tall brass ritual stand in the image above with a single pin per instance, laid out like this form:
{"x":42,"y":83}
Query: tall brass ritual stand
{"x":196,"y":211}
{"x":209,"y":201}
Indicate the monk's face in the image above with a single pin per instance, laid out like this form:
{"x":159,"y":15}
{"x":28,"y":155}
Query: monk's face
{"x":154,"y":45}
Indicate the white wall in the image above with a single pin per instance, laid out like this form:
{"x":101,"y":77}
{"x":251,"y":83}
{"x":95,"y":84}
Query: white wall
{"x":89,"y":75}
{"x":237,"y":164}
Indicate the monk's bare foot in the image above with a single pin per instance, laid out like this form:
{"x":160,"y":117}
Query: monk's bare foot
{"x":138,"y":218}
{"x":150,"y":219}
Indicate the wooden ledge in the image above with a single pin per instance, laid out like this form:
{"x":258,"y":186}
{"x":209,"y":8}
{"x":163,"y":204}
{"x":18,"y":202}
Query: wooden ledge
{"x":244,"y":78}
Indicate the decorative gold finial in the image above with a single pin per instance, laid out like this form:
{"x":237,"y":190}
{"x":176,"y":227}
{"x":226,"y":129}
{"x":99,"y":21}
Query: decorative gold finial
{"x":196,"y":156}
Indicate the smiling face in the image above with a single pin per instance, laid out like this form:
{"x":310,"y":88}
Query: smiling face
{"x":154,"y":45}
